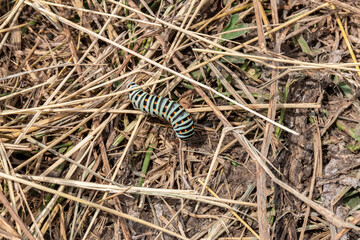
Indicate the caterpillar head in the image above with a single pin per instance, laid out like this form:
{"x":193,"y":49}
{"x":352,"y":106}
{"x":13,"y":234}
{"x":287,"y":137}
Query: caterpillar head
{"x":131,"y":85}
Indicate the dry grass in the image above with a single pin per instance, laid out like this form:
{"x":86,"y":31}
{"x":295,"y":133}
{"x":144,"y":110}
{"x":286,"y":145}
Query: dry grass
{"x":264,"y":83}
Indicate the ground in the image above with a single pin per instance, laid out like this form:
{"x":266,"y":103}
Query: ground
{"x":78,"y":161}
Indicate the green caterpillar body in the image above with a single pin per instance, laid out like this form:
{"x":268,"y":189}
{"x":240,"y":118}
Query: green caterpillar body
{"x":165,"y":108}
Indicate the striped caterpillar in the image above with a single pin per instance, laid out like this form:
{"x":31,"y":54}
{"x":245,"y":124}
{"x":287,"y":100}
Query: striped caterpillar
{"x":164,"y":108}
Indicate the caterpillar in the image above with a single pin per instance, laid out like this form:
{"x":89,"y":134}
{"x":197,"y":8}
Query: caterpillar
{"x":164,"y":108}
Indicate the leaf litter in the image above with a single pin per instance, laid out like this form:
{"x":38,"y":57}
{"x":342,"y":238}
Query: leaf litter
{"x":78,"y":162}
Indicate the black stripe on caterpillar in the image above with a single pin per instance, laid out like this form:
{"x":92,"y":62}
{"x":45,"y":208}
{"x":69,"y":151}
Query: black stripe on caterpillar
{"x":165,"y":108}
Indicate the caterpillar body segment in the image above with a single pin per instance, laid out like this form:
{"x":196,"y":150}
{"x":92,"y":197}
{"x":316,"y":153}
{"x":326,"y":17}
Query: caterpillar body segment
{"x":165,"y":108}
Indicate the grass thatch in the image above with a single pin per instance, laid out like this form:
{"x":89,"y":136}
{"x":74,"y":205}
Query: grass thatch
{"x":273,"y":89}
